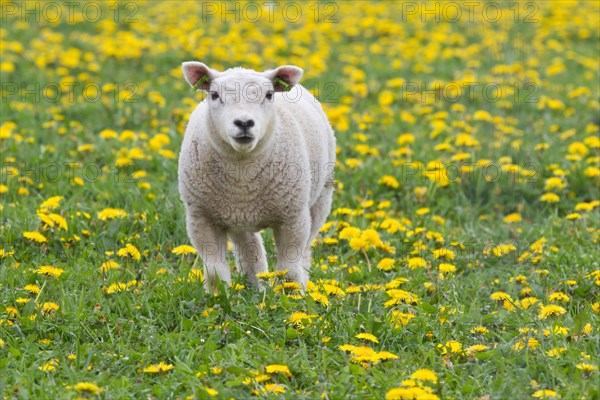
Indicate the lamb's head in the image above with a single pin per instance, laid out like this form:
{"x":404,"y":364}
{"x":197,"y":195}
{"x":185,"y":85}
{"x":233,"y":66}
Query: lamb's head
{"x":240,"y":101}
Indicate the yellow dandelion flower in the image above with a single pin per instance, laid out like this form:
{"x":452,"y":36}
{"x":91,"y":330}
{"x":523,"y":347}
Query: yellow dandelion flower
{"x":111,"y":213}
{"x":130,"y":250}
{"x":550,"y":198}
{"x":512,"y":218}
{"x":551,"y":310}
{"x":278,"y":369}
{"x":33,"y":289}
{"x":184,"y":249}
{"x":447,"y":268}
{"x":545,"y":394}
{"x":49,"y":270}
{"x":35,"y":237}
{"x":367,"y":336}
{"x":411,"y":393}
{"x":49,"y":307}
{"x":51,"y":203}
{"x":424,"y":374}
{"x":88,"y":388}
{"x":49,"y":366}
{"x":482,"y":330}
{"x":587,"y":368}
{"x":349,"y":233}
{"x":359,"y":244}
{"x":399,"y":319}
{"x":555,"y":352}
{"x":416,"y":262}
{"x":108,"y":265}
{"x":158,"y":368}
{"x":320,"y":298}
{"x":389,"y":181}
{"x":559,"y":296}
{"x":385,"y":264}
{"x":444,"y":253}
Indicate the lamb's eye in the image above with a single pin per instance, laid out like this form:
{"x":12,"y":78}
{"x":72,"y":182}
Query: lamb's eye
{"x":269,"y":95}
{"x":214,"y":95}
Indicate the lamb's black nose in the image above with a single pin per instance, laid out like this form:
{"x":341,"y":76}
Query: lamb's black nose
{"x":244,"y":125}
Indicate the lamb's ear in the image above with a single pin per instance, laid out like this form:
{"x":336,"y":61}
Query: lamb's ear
{"x":285,"y":77}
{"x":198,"y":75}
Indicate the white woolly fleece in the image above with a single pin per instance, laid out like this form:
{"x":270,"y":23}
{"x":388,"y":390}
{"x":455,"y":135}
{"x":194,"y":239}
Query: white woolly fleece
{"x":285,"y":182}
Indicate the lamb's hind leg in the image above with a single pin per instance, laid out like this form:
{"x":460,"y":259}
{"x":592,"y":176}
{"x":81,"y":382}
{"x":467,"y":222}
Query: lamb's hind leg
{"x":318,"y":215}
{"x":291,"y":238}
{"x":320,"y":211}
{"x":250,"y":255}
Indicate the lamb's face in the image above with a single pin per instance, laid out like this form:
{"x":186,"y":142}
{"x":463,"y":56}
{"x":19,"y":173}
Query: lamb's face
{"x":241,"y":108}
{"x":240,"y":101}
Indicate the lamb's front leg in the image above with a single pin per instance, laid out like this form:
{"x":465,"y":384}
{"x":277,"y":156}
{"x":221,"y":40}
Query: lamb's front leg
{"x":211,"y":244}
{"x":291,"y":238}
{"x":250,"y":255}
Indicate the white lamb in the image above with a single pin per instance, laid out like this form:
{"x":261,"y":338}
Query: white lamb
{"x":258,"y":153}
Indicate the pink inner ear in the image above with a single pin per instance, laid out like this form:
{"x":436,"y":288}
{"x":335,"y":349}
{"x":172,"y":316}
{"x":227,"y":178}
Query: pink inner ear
{"x":197,"y":73}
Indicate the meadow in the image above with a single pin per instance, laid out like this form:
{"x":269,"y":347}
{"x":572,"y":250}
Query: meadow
{"x":460,"y":260}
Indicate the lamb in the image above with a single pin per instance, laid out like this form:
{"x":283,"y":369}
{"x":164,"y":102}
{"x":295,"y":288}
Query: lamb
{"x":257,"y":153}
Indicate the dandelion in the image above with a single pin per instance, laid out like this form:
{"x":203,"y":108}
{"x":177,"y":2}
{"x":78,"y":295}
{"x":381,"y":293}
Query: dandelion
{"x":512,"y":218}
{"x":161,"y":367}
{"x":500,"y":296}
{"x":447,"y":268}
{"x":49,"y":366}
{"x":320,"y":298}
{"x":587,"y":368}
{"x":51,"y":204}
{"x":422,"y":211}
{"x":545,"y":394}
{"x":482,"y":330}
{"x":88,"y":388}
{"x":416,"y":262}
{"x":425,"y":375}
{"x":111,"y":213}
{"x":184,"y":249}
{"x":33,"y":289}
{"x":108,"y":265}
{"x":367,"y":336}
{"x":444,"y":253}
{"x":129,"y":250}
{"x":389,"y":181}
{"x":278,"y":369}
{"x":411,"y":393}
{"x":288,"y":287}
{"x":35,"y":237}
{"x":559,"y":296}
{"x":300,"y":318}
{"x":551,"y":310}
{"x":359,"y":244}
{"x":49,"y":307}
{"x":555,"y":352}
{"x":49,"y":270}
{"x":385,"y":264}
{"x":476,"y":348}
{"x":273,"y":388}
{"x":550,"y":198}
{"x":349,"y":233}
{"x":399,"y":319}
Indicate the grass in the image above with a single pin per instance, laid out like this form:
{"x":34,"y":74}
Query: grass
{"x":489,"y":282}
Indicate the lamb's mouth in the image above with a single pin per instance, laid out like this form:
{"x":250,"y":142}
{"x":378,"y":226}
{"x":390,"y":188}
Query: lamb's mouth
{"x":244,"y":139}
